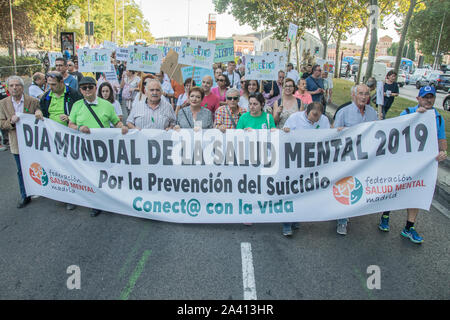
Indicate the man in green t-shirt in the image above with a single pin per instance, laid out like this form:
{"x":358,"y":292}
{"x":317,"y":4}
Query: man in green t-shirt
{"x":256,"y":118}
{"x":82,"y":119}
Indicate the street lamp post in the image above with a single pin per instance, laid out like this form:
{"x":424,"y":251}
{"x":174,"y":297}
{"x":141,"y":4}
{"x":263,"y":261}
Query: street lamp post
{"x":189,"y":5}
{"x":436,"y":57}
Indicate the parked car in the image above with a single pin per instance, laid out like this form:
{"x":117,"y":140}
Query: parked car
{"x":425,"y":79}
{"x":3,"y":92}
{"x":418,"y":73}
{"x":436,"y":79}
{"x":446,"y":103}
{"x":441,"y":82}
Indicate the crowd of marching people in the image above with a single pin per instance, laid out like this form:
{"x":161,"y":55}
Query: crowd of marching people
{"x":83,"y":101}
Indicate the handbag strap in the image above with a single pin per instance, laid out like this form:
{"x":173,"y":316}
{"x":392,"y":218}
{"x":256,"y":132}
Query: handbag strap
{"x":93,"y":113}
{"x":231,"y":117}
{"x":185,"y":115}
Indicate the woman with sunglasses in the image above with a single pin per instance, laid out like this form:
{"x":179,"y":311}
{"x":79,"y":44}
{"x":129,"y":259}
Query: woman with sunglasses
{"x":287,"y":104}
{"x":221,"y":90}
{"x":227,"y":116}
{"x":195,"y":116}
{"x":105,"y":91}
{"x":248,"y":87}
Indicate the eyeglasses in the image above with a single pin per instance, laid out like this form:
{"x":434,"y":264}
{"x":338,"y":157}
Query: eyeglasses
{"x":54,"y":76}
{"x":221,"y":80}
{"x":89,"y":87}
{"x":233,"y":98}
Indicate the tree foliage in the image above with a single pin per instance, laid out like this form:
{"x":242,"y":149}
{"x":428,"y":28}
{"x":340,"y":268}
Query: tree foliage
{"x":41,"y":21}
{"x":425,"y":27}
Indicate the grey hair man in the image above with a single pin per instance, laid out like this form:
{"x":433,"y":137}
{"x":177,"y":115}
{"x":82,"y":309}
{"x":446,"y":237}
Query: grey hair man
{"x":358,"y":111}
{"x":10,"y":108}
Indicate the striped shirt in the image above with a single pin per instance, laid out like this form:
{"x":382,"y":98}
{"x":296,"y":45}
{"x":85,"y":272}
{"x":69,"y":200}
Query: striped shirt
{"x":223,"y":117}
{"x":145,"y":117}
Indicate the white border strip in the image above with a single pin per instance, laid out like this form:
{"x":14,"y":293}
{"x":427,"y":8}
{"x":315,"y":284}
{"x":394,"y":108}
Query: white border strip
{"x":248,"y":273}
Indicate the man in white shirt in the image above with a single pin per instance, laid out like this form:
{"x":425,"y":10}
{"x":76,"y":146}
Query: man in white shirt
{"x":357,"y":112}
{"x":37,"y":87}
{"x":233,"y":76}
{"x":311,"y":118}
{"x":292,"y":73}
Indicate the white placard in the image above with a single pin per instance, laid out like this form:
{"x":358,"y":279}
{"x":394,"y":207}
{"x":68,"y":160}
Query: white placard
{"x":263,"y":67}
{"x":196,"y":53}
{"x":145,"y":59}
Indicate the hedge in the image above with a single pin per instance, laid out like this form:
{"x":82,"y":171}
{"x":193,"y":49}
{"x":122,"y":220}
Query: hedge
{"x":6,"y":61}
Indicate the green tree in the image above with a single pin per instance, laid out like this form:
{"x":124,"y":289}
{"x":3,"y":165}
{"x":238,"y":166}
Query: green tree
{"x":425,"y":27}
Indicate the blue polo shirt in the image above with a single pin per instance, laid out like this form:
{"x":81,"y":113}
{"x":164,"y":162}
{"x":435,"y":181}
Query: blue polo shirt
{"x":312,"y":85}
{"x":439,"y":121}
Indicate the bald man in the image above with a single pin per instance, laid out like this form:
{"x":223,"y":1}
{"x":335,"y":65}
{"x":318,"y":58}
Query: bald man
{"x":358,"y":111}
{"x":210,"y":101}
{"x":36,"y":89}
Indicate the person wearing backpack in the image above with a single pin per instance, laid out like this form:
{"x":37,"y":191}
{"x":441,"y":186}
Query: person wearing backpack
{"x":426,"y":99}
{"x":287,"y":104}
{"x":130,"y":88}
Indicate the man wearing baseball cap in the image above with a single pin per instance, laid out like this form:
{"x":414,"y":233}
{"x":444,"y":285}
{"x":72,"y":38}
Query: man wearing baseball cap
{"x":426,"y":98}
{"x":93,"y":112}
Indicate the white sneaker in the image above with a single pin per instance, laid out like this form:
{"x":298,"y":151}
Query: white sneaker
{"x":342,"y":228}
{"x":3,"y":148}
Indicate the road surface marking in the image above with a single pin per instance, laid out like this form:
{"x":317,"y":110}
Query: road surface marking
{"x":135,"y":276}
{"x":248,"y":273}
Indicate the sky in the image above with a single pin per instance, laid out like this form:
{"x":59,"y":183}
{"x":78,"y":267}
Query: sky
{"x":171,"y":19}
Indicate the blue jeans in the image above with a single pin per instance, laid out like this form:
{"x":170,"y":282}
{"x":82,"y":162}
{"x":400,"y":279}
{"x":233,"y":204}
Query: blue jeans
{"x":20,"y":177}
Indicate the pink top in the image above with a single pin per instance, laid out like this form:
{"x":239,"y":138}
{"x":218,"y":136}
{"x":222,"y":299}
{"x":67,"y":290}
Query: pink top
{"x":306,"y":97}
{"x":216,"y":92}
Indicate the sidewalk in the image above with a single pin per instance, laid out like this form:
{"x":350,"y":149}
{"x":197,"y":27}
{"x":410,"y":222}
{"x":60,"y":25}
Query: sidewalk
{"x":441,"y":199}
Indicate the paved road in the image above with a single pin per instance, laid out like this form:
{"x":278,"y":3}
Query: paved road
{"x":410,"y":92}
{"x":130,"y":258}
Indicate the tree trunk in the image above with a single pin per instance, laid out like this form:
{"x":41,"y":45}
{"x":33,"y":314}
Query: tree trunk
{"x":363,"y":52}
{"x":297,"y":41}
{"x":398,"y":59}
{"x":373,"y":42}
{"x":337,"y":69}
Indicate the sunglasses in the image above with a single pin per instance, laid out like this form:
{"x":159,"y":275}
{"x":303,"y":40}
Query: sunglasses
{"x":221,"y":80}
{"x":89,"y":87}
{"x":54,"y":76}
{"x":233,"y":98}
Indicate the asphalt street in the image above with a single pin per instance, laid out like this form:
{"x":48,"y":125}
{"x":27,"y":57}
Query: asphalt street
{"x":122,"y":257}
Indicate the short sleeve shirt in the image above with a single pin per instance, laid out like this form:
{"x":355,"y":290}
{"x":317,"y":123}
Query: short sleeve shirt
{"x":439,"y":121}
{"x":56,"y":107}
{"x":313,"y":85}
{"x":81,"y":116}
{"x":145,"y":117}
{"x":264,"y":121}
{"x":350,"y":116}
{"x":299,"y":120}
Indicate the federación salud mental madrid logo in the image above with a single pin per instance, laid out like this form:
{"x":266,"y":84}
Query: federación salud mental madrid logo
{"x":38,"y":174}
{"x":348,"y":190}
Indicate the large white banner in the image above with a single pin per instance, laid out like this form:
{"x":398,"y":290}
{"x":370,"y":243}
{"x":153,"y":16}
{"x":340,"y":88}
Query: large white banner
{"x":257,"y":176}
{"x":263,"y":67}
{"x":196,"y":53}
{"x":146,"y":59}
